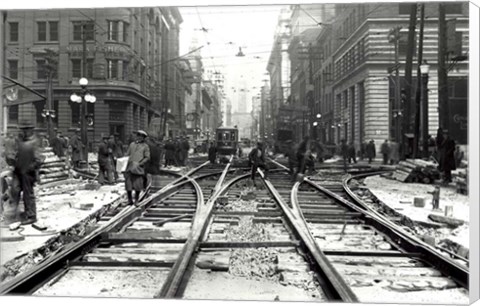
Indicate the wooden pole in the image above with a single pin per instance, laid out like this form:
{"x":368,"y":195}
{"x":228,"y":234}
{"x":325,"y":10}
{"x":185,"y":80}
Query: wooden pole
{"x":419,"y":83}
{"x":444,"y":111}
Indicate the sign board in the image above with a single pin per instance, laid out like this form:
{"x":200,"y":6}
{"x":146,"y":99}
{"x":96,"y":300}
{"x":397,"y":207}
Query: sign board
{"x":458,"y":122}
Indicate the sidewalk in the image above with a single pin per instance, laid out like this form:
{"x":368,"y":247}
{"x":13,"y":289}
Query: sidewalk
{"x":400,"y":196}
{"x":59,"y":207}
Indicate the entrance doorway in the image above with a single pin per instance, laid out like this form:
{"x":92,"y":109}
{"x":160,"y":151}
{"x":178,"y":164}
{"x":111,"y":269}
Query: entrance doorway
{"x":118,"y":129}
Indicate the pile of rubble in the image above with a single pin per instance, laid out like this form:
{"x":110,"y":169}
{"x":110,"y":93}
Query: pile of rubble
{"x":416,"y":170}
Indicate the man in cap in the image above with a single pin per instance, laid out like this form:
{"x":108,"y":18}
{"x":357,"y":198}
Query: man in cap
{"x":27,"y":164}
{"x":105,"y":161}
{"x":370,"y":151}
{"x":138,"y":156}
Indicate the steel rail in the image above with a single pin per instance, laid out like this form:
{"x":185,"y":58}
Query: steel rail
{"x":338,"y":289}
{"x":402,"y":238}
{"x":27,"y":283}
{"x":389,"y":222}
{"x":172,"y":284}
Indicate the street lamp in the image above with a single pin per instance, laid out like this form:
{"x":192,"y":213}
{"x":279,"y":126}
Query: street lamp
{"x":424,"y":70}
{"x":86,"y":96}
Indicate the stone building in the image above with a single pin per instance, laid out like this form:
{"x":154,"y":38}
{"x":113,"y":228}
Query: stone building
{"x":128,"y":66}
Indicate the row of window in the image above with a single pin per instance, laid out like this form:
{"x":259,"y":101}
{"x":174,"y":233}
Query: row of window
{"x":116,"y":69}
{"x":351,"y":59}
{"x":13,"y":112}
{"x":48,"y":31}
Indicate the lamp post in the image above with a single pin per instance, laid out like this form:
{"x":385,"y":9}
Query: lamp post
{"x":424,"y":69}
{"x":318,"y":116}
{"x":86,"y":96}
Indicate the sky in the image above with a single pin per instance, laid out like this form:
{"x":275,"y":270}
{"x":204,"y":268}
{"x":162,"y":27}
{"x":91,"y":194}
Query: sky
{"x":228,"y":28}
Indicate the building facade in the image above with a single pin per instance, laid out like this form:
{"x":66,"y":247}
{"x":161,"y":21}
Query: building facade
{"x":125,"y":51}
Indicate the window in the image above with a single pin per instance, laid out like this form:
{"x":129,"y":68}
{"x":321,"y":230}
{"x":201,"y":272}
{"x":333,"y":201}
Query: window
{"x":125,"y":31}
{"x":112,"y":66}
{"x":76,"y":68}
{"x":42,"y":31}
{"x":39,"y":107}
{"x":13,"y":31}
{"x":41,"y":69}
{"x":53,"y":27}
{"x":125,"y":70}
{"x":403,"y":44}
{"x":345,"y":98}
{"x":404,"y":8}
{"x":453,"y":8}
{"x":52,"y":31}
{"x":89,"y":30}
{"x":13,"y":114}
{"x":13,"y":69}
{"x":75,"y":110}
{"x":113,"y":30}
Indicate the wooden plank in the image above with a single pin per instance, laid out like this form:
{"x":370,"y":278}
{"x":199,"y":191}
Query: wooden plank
{"x":371,"y":253}
{"x":249,"y":244}
{"x":447,"y":220}
{"x":120,"y":264}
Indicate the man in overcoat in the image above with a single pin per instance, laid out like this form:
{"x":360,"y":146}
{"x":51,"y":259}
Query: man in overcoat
{"x":77,"y":148}
{"x":448,"y":152}
{"x":370,"y":150}
{"x":135,"y":175}
{"x":105,"y":161}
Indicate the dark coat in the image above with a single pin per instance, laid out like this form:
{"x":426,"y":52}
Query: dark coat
{"x":58,"y":146}
{"x":351,"y":151}
{"x":212,"y":153}
{"x":344,"y":150}
{"x":370,"y":150}
{"x":77,"y":147}
{"x":28,"y":160}
{"x":385,"y":148}
{"x":448,"y":148}
{"x":256,"y":157}
{"x":104,"y":154}
{"x":153,"y":166}
{"x":169,"y":150}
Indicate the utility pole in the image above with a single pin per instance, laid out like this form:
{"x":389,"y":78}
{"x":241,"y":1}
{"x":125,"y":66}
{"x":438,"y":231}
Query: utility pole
{"x":51,"y":66}
{"x":83,"y":106}
{"x":419,"y":83}
{"x":2,"y":68}
{"x":407,"y":104}
{"x":394,"y":37}
{"x":444,"y":111}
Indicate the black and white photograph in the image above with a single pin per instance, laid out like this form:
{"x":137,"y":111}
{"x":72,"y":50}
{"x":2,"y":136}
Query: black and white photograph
{"x":283,"y":151}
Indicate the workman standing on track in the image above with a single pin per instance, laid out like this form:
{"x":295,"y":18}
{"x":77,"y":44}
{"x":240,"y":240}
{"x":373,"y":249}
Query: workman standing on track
{"x":105,"y":161}
{"x":256,"y":159}
{"x":27,"y":164}
{"x":77,"y":148}
{"x":212,"y":153}
{"x":138,"y":156}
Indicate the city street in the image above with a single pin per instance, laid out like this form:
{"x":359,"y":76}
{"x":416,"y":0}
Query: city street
{"x":303,"y":152}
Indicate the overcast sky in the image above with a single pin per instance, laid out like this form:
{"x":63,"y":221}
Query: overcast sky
{"x":227,"y":29}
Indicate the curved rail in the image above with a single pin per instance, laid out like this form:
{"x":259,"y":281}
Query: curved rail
{"x":28,"y":282}
{"x":336,"y":288}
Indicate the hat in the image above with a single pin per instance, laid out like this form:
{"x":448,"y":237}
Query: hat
{"x":143,"y":133}
{"x":25,"y":125}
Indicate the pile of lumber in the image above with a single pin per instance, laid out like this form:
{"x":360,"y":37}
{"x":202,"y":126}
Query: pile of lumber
{"x":53,"y":168}
{"x":460,"y":177}
{"x":416,"y":170}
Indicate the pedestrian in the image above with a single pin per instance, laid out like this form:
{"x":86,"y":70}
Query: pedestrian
{"x":44,"y":143}
{"x":459,"y":155}
{"x":320,"y":152}
{"x":135,"y":175}
{"x":302,"y":155}
{"x":169,"y":153}
{"x":351,"y":153}
{"x":394,"y":153}
{"x":370,"y":151}
{"x":77,"y":148}
{"x":439,"y":143}
{"x":240,"y":152}
{"x":344,"y":153}
{"x":385,"y":150}
{"x":59,"y":145}
{"x":154,"y":164}
{"x":448,"y":152}
{"x":105,"y":161}
{"x":256,"y":159}
{"x":27,"y":165}
{"x":292,"y":159}
{"x":363,"y":150}
{"x":212,"y":152}
{"x":184,"y":147}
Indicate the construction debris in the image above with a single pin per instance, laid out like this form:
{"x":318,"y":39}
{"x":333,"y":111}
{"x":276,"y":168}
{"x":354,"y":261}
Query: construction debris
{"x":416,"y":170}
